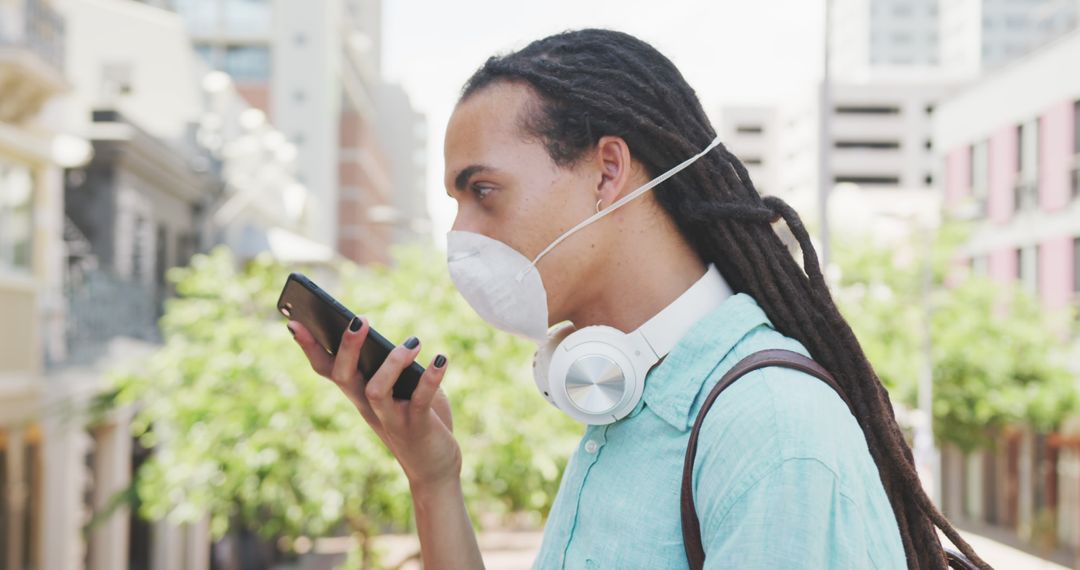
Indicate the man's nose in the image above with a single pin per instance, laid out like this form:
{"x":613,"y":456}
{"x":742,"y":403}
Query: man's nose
{"x":465,"y":223}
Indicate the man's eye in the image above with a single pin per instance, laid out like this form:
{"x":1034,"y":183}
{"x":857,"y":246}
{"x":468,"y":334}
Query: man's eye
{"x":481,"y":191}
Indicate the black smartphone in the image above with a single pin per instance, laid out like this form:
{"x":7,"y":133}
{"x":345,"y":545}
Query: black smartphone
{"x":305,"y":302}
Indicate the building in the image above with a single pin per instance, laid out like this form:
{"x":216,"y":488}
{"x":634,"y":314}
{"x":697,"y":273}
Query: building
{"x":751,"y":134}
{"x":34,"y":149}
{"x":978,"y":35}
{"x":879,"y":140}
{"x":312,"y":68}
{"x":402,"y":131}
{"x":167,"y":160}
{"x":1010,"y":144}
{"x":963,"y":37}
{"x":872,"y":35}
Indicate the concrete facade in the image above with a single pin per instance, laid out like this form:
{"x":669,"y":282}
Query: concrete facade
{"x":750,"y":133}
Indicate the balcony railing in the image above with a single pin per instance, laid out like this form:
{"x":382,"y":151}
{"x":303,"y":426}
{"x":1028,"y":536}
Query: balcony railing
{"x":102,"y":307}
{"x":35,"y":25}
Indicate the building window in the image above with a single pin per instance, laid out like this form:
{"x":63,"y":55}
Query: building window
{"x":208,"y":54}
{"x":248,"y":17}
{"x":248,"y":63}
{"x":868,"y":180}
{"x":749,"y":129}
{"x":1076,"y":265}
{"x":867,"y":110}
{"x":980,"y":170}
{"x":1016,"y":21}
{"x":1076,"y":127}
{"x":1028,"y":268}
{"x":16,"y":216}
{"x":1027,"y":158}
{"x":138,"y":255}
{"x":929,"y":179}
{"x":1076,"y":151}
{"x":201,"y":16}
{"x":752,"y":161}
{"x":868,"y":145}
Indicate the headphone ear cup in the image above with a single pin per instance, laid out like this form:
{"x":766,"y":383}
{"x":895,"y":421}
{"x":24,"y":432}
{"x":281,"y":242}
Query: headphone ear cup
{"x":542,"y":357}
{"x":593,"y":375}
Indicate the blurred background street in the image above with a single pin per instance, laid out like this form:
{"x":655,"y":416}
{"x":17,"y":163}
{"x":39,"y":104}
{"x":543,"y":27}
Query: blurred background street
{"x":164,"y":164}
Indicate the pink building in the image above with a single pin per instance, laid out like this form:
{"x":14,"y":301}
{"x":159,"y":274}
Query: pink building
{"x":1010,"y":143}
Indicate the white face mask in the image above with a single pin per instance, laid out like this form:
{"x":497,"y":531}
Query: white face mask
{"x":503,"y":286}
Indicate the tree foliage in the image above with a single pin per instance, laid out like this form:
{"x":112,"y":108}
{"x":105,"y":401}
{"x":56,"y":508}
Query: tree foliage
{"x":245,"y":432}
{"x":998,"y":356}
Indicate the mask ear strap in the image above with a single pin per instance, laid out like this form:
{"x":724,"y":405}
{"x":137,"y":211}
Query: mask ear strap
{"x":645,"y":188}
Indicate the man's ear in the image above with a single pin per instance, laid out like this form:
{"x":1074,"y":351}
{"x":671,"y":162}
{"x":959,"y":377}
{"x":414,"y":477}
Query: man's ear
{"x":613,"y":159}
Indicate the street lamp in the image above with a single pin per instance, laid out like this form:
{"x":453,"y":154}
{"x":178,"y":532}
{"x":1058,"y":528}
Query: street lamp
{"x":825,"y":143}
{"x":927,"y":458}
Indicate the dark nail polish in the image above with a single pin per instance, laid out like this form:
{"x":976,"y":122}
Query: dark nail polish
{"x":412,"y":342}
{"x":292,"y":332}
{"x":440,"y":360}
{"x":355,"y":324}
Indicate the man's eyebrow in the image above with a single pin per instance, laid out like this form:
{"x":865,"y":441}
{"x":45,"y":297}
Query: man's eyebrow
{"x":463,"y":177}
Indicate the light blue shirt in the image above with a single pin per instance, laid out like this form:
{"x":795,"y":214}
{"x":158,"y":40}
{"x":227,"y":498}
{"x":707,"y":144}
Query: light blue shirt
{"x":783,"y":477}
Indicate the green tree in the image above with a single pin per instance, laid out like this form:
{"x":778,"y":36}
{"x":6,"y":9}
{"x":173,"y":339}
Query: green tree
{"x":245,"y":432}
{"x":998,"y":356}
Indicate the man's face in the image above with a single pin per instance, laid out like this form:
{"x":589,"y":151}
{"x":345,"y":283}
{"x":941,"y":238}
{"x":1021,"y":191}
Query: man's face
{"x":508,"y":188}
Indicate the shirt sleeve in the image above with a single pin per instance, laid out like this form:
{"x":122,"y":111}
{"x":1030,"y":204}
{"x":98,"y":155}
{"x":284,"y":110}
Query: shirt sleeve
{"x":793,"y":516}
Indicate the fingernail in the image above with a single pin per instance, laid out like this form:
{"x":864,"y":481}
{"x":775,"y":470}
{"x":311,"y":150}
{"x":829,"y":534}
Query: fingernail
{"x":292,"y":332}
{"x":440,"y":360}
{"x":411,"y":342}
{"x":355,"y":324}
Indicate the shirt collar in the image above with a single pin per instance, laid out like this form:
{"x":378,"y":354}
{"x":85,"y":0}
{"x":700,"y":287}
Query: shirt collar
{"x":672,"y":386}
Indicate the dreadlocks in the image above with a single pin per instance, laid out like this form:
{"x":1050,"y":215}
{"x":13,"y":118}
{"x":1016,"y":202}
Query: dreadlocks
{"x":592,"y":83}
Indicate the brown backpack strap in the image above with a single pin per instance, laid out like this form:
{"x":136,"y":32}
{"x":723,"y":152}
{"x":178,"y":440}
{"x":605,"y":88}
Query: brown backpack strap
{"x":691,"y":529}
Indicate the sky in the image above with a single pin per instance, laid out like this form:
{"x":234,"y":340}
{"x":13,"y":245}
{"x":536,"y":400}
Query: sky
{"x":731,"y":52}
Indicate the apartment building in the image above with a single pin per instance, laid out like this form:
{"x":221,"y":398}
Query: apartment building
{"x":1010,"y":144}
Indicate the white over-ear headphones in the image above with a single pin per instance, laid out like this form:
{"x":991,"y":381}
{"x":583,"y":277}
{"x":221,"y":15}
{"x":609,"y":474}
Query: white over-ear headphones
{"x":597,"y":374}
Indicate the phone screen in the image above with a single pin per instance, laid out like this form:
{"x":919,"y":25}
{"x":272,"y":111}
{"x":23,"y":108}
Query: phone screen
{"x":305,"y":302}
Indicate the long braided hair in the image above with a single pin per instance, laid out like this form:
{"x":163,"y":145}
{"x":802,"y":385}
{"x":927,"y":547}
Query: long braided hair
{"x":592,"y":83}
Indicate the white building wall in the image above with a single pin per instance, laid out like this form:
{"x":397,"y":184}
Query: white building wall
{"x":1012,"y":94}
{"x":163,"y":85}
{"x":961,"y":36}
{"x":750,"y":134}
{"x":306,"y":90}
{"x":850,"y":38}
{"x":893,"y":116}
